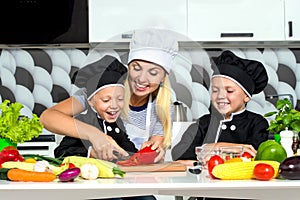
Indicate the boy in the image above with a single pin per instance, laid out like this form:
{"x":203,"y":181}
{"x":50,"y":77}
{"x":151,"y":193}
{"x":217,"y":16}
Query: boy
{"x":229,"y":124}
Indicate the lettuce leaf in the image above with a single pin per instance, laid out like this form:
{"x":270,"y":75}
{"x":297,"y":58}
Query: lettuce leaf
{"x":15,"y":127}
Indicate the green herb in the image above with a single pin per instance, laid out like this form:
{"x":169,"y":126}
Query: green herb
{"x":15,"y":127}
{"x":286,"y":117}
{"x":53,"y":161}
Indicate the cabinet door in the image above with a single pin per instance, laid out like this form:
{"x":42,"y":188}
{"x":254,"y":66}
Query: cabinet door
{"x":113,"y":20}
{"x":292,"y":19}
{"x":236,"y":20}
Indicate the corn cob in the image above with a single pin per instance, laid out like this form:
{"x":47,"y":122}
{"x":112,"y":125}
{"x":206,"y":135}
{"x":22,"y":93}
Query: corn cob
{"x":241,"y":170}
{"x":106,"y":169}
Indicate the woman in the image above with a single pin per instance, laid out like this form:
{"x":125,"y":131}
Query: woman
{"x":147,"y":118}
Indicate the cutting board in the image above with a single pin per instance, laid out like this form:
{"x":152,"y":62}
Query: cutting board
{"x":159,"y":167}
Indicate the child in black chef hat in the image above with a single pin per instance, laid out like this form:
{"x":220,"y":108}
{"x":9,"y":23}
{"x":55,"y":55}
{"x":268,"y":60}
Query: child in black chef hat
{"x":233,"y":83}
{"x":104,"y":83}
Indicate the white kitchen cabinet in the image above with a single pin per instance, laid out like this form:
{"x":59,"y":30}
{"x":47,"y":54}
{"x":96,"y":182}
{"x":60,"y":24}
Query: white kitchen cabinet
{"x":236,"y":20}
{"x":114,"y":20}
{"x":292,"y":20}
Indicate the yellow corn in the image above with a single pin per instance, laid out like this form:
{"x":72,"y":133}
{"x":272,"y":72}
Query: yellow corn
{"x":241,"y":170}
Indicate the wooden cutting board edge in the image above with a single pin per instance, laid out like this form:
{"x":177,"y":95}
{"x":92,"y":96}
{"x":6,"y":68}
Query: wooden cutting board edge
{"x":160,"y":167}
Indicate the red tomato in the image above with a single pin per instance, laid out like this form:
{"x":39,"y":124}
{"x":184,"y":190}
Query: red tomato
{"x":214,"y":161}
{"x":19,"y":158}
{"x":263,"y":172}
{"x":70,"y":165}
{"x":247,"y":155}
{"x":9,"y":153}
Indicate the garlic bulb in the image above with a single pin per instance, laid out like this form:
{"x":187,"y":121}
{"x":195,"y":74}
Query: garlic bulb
{"x":89,"y":171}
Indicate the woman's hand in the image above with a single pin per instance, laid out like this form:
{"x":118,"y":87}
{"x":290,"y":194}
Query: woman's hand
{"x":155,"y":142}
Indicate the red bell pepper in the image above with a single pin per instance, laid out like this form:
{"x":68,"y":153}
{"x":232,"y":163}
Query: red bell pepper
{"x":10,"y":153}
{"x":144,"y":156}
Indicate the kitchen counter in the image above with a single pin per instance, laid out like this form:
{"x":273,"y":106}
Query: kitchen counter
{"x":156,"y":183}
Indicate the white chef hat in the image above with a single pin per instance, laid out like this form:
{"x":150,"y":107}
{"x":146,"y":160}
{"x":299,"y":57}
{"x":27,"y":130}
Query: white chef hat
{"x":154,"y":45}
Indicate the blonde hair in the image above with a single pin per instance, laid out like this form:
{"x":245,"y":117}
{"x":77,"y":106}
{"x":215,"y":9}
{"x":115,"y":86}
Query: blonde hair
{"x":163,"y":101}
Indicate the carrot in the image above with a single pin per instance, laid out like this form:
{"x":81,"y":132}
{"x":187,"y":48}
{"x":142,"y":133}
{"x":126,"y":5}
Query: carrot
{"x":30,"y":176}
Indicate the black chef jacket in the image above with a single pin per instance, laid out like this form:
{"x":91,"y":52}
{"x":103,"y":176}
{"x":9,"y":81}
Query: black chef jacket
{"x":244,"y":127}
{"x":70,"y":146}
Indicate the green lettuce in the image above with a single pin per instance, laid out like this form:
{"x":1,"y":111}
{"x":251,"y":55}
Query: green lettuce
{"x":14,"y":126}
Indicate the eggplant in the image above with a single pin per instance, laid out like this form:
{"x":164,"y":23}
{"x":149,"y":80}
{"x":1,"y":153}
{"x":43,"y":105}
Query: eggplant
{"x":290,"y":168}
{"x":69,"y":174}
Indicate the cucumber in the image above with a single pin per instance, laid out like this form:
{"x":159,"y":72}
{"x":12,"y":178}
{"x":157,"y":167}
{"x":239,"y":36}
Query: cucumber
{"x":3,"y":173}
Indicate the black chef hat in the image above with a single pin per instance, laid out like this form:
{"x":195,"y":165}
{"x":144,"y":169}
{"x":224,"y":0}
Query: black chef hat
{"x":108,"y":71}
{"x":250,"y":75}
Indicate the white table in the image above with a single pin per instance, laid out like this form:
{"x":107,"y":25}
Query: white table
{"x":156,"y":183}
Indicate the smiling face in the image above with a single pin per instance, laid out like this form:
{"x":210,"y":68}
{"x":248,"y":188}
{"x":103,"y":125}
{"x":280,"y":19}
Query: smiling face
{"x":144,"y":78}
{"x":108,"y":102}
{"x":227,"y":97}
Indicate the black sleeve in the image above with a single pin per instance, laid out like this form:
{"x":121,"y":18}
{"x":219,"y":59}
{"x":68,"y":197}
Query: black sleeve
{"x":258,"y":131}
{"x":122,"y":138}
{"x":72,"y":146}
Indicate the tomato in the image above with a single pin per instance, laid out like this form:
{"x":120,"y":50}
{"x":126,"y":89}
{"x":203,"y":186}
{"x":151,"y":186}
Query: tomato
{"x":247,"y":155}
{"x":9,"y":153}
{"x":70,"y":165}
{"x":263,"y":172}
{"x":214,"y":161}
{"x":19,"y":158}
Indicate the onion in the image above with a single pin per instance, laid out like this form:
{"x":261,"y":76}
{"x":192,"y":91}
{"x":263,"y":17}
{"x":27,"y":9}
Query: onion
{"x":69,"y":174}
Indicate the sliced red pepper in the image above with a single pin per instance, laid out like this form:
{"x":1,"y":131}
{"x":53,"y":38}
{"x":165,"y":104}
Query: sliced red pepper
{"x":142,"y":157}
{"x":70,"y":165}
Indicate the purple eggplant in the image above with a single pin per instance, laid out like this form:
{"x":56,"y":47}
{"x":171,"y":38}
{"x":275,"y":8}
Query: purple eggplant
{"x":290,"y":168}
{"x":69,"y":174}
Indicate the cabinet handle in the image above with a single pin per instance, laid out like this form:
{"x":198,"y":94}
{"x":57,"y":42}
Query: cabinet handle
{"x":290,"y":28}
{"x":127,"y":36}
{"x":237,"y":35}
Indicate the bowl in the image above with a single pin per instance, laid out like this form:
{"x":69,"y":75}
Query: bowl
{"x":226,"y":152}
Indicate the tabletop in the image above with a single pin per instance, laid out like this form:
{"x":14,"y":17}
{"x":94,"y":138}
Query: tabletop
{"x":154,"y":183}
